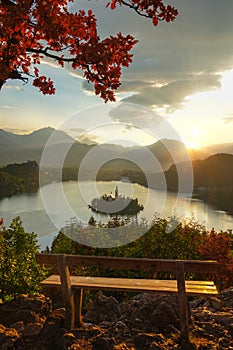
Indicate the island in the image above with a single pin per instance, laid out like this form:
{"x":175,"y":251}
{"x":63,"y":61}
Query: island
{"x":115,"y":204}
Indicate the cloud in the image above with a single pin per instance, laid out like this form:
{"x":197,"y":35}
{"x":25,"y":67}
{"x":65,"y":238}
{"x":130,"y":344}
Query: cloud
{"x":88,"y":88}
{"x":173,"y":60}
{"x":48,"y":62}
{"x":228,"y":120}
{"x":77,"y":74}
{"x":135,"y":116}
{"x":9,"y":107}
{"x":12,"y":87}
{"x":18,"y":131}
{"x":81,"y":134}
{"x":171,"y":96}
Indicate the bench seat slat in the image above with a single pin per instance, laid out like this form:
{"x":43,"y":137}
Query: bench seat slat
{"x":126,"y":284}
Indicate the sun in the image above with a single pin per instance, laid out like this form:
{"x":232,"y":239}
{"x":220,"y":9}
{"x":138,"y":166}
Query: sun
{"x":193,"y":145}
{"x":193,"y":138}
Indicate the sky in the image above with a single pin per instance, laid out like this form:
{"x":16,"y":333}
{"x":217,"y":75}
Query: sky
{"x":178,"y":86}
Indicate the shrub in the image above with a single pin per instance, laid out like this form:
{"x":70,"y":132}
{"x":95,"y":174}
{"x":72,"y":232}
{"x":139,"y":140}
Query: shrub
{"x":165,"y":239}
{"x":19,"y":272}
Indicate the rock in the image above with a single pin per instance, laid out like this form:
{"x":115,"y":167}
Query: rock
{"x":103,"y":308}
{"x":146,"y":322}
{"x":214,"y":303}
{"x":66,"y":340}
{"x":209,"y":329}
{"x":103,"y":343}
{"x":25,"y":308}
{"x":146,"y":311}
{"x":61,"y":313}
{"x":19,"y":327}
{"x":143,"y":341}
{"x":122,"y":346}
{"x":88,"y":332}
{"x":170,"y":329}
{"x":163,"y":316}
{"x":201,"y":313}
{"x":141,"y":324}
{"x":154,"y":346}
{"x":226,"y":297}
{"x":40,"y":304}
{"x":105,"y":324}
{"x":76,"y":346}
{"x":231,"y":330}
{"x":224,"y":318}
{"x":119,"y":331}
{"x":32,"y":329}
{"x":25,"y":315}
{"x":50,"y":330}
{"x":224,"y":342}
{"x":8,"y":337}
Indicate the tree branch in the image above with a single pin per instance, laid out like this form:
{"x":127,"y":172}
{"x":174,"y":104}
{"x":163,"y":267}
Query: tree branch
{"x":8,"y":3}
{"x":17,"y":75}
{"x":58,"y":58}
{"x":135,"y":8}
{"x":50,"y":55}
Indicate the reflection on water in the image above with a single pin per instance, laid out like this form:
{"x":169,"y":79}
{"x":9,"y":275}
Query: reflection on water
{"x":46,"y":211}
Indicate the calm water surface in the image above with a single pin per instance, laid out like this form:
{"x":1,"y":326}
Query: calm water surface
{"x":46,"y":211}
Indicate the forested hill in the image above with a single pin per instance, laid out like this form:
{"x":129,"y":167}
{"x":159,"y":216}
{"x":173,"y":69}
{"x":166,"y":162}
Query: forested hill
{"x":214,"y":171}
{"x":18,"y":178}
{"x":213,"y":180}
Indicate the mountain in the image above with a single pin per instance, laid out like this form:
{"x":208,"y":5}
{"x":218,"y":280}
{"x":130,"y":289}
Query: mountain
{"x":162,"y":154}
{"x":87,"y":141}
{"x":39,"y":138}
{"x":36,"y":139}
{"x":211,"y":172}
{"x":8,"y":140}
{"x":212,"y":180}
{"x":20,"y":148}
{"x":214,"y":171}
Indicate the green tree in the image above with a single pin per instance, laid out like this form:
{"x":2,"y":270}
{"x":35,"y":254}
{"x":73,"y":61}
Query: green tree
{"x":165,"y":239}
{"x":10,"y":185}
{"x":19,"y":272}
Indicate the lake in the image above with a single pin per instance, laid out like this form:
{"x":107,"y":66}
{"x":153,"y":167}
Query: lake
{"x":46,"y":211}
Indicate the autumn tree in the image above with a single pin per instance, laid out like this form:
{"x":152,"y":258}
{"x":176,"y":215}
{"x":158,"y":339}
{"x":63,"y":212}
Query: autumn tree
{"x":32,"y":30}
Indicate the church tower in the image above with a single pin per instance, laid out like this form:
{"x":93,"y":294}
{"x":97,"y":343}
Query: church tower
{"x":116,"y":192}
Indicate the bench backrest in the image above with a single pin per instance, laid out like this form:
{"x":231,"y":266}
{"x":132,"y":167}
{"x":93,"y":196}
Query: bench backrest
{"x":142,"y":264}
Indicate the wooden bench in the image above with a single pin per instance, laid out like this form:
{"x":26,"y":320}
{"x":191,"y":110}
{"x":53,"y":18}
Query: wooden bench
{"x":72,"y":286}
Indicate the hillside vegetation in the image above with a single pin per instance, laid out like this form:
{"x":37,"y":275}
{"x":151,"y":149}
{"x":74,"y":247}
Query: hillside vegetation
{"x":212,"y":180}
{"x":18,"y":178}
{"x":188,"y":241}
{"x":19,"y":272}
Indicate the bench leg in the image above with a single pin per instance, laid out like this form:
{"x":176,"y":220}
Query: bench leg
{"x":68,"y":297}
{"x":183,"y":306}
{"x":183,"y":315}
{"x":78,"y":295}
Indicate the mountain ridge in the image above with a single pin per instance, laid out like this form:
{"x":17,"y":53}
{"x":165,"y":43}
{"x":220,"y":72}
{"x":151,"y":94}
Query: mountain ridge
{"x":21,"y":148}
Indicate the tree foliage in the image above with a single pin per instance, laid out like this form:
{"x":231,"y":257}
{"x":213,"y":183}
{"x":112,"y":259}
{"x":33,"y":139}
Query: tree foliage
{"x":10,"y":185}
{"x":32,"y":30}
{"x":18,"y":178}
{"x":188,"y":240}
{"x":19,"y":272}
{"x":219,"y":246}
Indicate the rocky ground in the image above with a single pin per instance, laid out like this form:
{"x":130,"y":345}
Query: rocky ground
{"x":146,"y":322}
